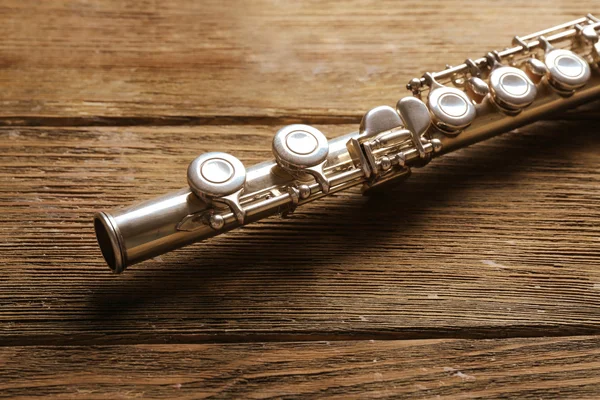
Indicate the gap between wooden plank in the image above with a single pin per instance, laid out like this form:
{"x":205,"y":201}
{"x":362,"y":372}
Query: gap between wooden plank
{"x":585,"y":112}
{"x":448,"y":369}
{"x":167,"y":120}
{"x":408,"y":334}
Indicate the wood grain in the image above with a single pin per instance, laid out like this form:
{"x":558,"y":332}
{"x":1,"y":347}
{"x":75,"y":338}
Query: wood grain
{"x":104,"y":103}
{"x":138,"y":62}
{"x":496,"y":240}
{"x":441,"y":369}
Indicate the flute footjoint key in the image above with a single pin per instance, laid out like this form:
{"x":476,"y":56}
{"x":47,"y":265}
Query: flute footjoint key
{"x":542,"y":73}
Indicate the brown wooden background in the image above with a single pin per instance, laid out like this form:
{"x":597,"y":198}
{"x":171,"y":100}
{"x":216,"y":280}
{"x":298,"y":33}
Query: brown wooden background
{"x":479,"y":277}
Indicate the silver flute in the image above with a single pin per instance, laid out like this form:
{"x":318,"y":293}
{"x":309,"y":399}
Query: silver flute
{"x":542,"y":73}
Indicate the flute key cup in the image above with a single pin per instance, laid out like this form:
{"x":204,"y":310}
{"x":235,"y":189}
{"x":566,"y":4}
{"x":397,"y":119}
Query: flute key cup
{"x":218,"y":177}
{"x":511,"y":88}
{"x":302,"y":149}
{"x":567,"y":71}
{"x":451,"y":109}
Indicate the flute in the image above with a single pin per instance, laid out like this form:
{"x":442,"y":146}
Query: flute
{"x":542,"y":73}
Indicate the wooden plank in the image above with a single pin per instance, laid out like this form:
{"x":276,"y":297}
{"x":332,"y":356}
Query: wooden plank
{"x":495,"y":240}
{"x":115,"y":62}
{"x":443,"y":369}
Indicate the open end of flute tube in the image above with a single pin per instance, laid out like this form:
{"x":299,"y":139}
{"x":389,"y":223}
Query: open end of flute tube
{"x":109,"y":242}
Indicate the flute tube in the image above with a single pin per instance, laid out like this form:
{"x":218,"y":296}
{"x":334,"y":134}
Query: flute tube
{"x":130,"y":235}
{"x":137,"y":233}
{"x":134,"y":234}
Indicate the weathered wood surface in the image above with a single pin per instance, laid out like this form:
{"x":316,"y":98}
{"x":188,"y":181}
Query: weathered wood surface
{"x":539,"y":368}
{"x":105,"y":103}
{"x":137,"y":61}
{"x":499,"y":239}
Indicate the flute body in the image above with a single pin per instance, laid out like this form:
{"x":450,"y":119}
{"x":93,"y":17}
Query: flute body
{"x":543,"y":73}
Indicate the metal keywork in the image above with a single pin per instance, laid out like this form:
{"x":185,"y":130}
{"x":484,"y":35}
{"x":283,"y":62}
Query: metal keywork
{"x":451,"y":108}
{"x":568,"y":30}
{"x":302,"y":148}
{"x":475,"y":87}
{"x":218,"y":177}
{"x":380,"y":122}
{"x":511,"y":88}
{"x":543,"y":73}
{"x":416,"y":118}
{"x":588,"y":34}
{"x":536,"y":70}
{"x":390,"y":138}
{"x":567,"y":71}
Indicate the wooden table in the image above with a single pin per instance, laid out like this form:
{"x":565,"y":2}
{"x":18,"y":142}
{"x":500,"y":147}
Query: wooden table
{"x":478,"y":277}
